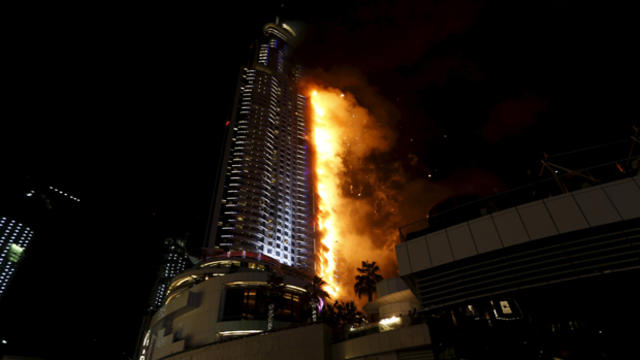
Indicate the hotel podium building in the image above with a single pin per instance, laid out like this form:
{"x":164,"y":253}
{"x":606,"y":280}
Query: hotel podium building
{"x":263,"y":199}
{"x":261,"y":223}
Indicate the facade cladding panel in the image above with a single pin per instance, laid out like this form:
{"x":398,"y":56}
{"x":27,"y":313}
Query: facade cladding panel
{"x":626,"y":197}
{"x":439,"y":248}
{"x":419,"y":257}
{"x":537,"y":220}
{"x":566,"y":213}
{"x":510,"y":227}
{"x":264,"y":197}
{"x":485,"y":234}
{"x":461,"y":241}
{"x":596,"y":206}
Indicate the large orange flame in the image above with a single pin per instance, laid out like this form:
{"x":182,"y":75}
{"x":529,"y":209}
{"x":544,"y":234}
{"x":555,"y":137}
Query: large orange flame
{"x":362,"y":196}
{"x":328,"y":165}
{"x":352,"y":225}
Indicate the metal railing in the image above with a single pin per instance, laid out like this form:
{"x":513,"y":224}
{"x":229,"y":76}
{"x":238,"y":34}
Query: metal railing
{"x":559,"y":181}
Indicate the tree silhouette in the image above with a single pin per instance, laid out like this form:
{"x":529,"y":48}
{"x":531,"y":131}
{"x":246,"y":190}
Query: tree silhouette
{"x":341,"y":316}
{"x":315,"y":293}
{"x":275,"y":293}
{"x":349,"y":314}
{"x":366,"y":282}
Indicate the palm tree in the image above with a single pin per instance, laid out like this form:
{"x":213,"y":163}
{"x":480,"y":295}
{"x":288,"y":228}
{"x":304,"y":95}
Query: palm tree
{"x":329,"y":315}
{"x":275,"y":292}
{"x":341,"y":316}
{"x":351,"y":316}
{"x":366,"y":283}
{"x":316,"y":293}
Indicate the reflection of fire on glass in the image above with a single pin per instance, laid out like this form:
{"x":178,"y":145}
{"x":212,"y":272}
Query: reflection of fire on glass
{"x":506,"y":309}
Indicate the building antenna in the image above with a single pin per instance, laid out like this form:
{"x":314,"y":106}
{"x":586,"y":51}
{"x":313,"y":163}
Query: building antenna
{"x":278,"y":17}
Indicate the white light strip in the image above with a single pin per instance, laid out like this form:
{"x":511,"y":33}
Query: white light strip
{"x":239,"y":332}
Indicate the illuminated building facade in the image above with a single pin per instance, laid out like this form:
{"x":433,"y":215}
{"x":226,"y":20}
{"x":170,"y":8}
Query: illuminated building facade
{"x":263,"y":199}
{"x":14,"y":238}
{"x":175,"y":261}
{"x":225,"y":296}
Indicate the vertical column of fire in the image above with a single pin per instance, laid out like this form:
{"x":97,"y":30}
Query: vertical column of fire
{"x":328,"y":166}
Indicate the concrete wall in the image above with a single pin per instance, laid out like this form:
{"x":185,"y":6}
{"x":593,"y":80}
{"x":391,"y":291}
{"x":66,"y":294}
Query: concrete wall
{"x":389,"y":286}
{"x":397,"y":308}
{"x":307,"y":342}
{"x":383,"y":345}
{"x":598,"y":205}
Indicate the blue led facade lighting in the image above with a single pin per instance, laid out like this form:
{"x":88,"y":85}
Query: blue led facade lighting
{"x":264,"y":192}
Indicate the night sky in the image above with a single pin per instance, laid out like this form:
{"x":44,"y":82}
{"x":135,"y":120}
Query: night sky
{"x":124,"y":106}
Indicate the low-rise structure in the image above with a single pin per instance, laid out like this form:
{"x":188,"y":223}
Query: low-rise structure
{"x":223,"y":297}
{"x":540,"y":277}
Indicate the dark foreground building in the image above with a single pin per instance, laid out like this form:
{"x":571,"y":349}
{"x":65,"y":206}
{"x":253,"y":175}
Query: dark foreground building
{"x":552,"y":278}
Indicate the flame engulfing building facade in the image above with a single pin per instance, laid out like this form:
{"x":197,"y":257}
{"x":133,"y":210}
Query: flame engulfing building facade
{"x":262,"y":201}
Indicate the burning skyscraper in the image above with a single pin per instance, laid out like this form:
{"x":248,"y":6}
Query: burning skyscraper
{"x":263,"y":198}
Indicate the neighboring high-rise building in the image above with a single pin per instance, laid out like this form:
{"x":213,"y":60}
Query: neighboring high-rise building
{"x":14,"y":238}
{"x":263,"y":199}
{"x":27,"y":206}
{"x":174,"y":262}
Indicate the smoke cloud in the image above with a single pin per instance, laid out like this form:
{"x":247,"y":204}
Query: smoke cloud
{"x":374,"y":195}
{"x":377,"y":195}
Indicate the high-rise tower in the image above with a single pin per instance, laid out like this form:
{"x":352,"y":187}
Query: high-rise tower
{"x":263,"y":199}
{"x":29,"y":208}
{"x":14,"y":238}
{"x":175,"y":260}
